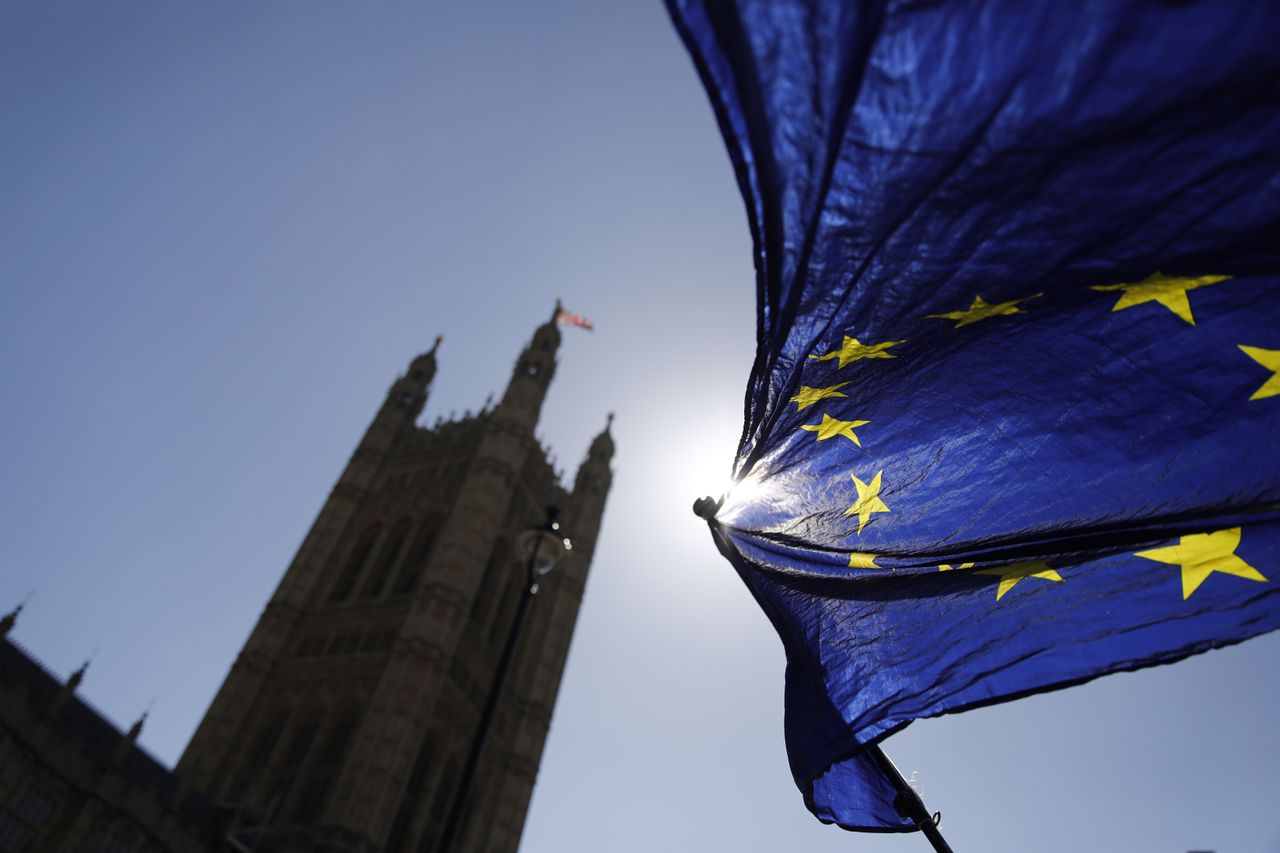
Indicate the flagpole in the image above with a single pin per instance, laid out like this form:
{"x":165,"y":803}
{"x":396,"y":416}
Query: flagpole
{"x":908,"y":802}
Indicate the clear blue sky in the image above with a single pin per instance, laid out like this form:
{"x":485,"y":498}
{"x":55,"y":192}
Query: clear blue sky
{"x":224,"y":228}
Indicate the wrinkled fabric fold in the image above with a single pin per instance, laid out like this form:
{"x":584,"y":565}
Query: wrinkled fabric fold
{"x":1010,"y":421}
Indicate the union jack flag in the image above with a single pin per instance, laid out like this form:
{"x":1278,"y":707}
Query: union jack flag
{"x":568,"y":318}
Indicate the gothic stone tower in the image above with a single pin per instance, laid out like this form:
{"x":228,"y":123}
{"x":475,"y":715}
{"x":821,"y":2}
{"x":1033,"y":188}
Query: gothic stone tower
{"x":346,"y":719}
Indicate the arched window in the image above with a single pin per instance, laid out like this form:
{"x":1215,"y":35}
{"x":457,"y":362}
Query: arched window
{"x":473,"y":830}
{"x":411,"y":800}
{"x":340,"y":736}
{"x":300,"y":744}
{"x":268,"y":737}
{"x":311,"y":799}
{"x":508,"y":594}
{"x":324,"y":767}
{"x":355,"y":563}
{"x":488,"y":592}
{"x":387,"y":558}
{"x":445,"y":790}
{"x":411,"y":569}
{"x":296,"y":749}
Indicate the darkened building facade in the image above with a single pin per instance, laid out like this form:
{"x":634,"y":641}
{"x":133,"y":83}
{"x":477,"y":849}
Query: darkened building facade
{"x":70,"y":780}
{"x":345,"y":722}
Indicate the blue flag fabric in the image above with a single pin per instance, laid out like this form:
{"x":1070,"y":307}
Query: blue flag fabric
{"x":1013,"y":418}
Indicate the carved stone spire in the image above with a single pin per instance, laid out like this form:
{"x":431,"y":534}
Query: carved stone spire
{"x":10,"y":619}
{"x":522,"y":401}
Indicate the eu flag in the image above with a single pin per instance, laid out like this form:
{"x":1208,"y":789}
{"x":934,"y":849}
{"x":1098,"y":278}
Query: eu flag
{"x":1013,"y":418}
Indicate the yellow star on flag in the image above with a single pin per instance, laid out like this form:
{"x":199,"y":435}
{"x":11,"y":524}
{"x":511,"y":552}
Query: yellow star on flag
{"x":808,"y":396}
{"x":831,"y":427}
{"x":852,"y":350}
{"x":946,"y":568}
{"x":1270,"y":359}
{"x":1010,"y":575}
{"x":981,"y":310}
{"x":868,"y":502}
{"x":1169,"y":290}
{"x":862,"y":561}
{"x":1201,"y":554}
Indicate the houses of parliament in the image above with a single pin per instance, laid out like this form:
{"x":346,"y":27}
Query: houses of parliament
{"x":397,"y":690}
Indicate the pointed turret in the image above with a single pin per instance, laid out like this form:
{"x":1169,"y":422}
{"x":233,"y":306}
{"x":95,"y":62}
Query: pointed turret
{"x":405,"y":400}
{"x":522,"y":401}
{"x":400,"y":410}
{"x":130,"y":739}
{"x":602,"y":446}
{"x":10,"y":619}
{"x":69,"y":689}
{"x":591,"y":487}
{"x":595,"y":474}
{"x":76,"y":677}
{"x":136,"y":729}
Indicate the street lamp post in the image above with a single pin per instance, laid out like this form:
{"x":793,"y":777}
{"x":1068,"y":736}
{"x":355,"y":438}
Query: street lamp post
{"x":541,"y":548}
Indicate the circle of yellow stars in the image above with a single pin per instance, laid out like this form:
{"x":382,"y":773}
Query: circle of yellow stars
{"x":1198,"y":556}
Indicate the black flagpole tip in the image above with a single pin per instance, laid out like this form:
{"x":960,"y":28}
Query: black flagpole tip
{"x":705,"y":508}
